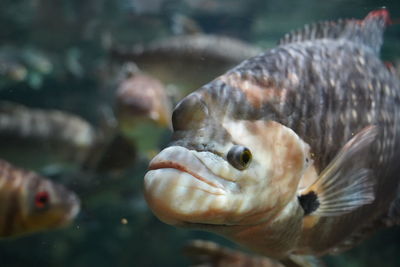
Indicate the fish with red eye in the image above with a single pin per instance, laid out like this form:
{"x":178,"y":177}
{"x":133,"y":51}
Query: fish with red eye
{"x":42,"y":199}
{"x":31,"y":203}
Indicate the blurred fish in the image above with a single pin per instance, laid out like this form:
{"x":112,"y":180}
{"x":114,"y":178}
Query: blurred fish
{"x":20,"y":121}
{"x":293,"y":152}
{"x":142,"y":113}
{"x":210,"y":254}
{"x":67,"y":133}
{"x":141,"y":97}
{"x":187,"y":60}
{"x":143,"y":110}
{"x":31,"y":203}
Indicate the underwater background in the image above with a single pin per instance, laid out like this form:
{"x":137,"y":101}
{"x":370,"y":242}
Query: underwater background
{"x":73,"y":56}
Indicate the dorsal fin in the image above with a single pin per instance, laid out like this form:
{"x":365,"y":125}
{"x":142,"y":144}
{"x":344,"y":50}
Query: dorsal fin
{"x":368,"y":31}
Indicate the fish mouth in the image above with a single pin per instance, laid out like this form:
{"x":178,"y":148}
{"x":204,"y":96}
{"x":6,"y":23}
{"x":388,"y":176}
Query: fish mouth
{"x":181,"y":168}
{"x":185,"y":161}
{"x":180,"y":188}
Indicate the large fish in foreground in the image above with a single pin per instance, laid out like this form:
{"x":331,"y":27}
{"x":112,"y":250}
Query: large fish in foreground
{"x":293,"y":152}
{"x":31,"y":203}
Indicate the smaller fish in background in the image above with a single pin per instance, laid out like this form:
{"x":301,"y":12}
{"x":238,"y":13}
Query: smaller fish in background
{"x":141,"y":113}
{"x":141,"y":97}
{"x":52,"y":132}
{"x":30,"y":203}
{"x":143,"y":109}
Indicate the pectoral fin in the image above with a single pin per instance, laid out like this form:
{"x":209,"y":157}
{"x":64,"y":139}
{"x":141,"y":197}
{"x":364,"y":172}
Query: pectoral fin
{"x":346,"y":183}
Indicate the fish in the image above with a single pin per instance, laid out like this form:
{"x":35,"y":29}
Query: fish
{"x":59,"y":135}
{"x":294,"y":152}
{"x":30,"y":203}
{"x":19,"y":120}
{"x":142,"y":104}
{"x":140,"y":96}
{"x":143,"y":110}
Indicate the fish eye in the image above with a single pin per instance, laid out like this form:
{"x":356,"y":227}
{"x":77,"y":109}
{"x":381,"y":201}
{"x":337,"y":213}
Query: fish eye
{"x":239,"y":157}
{"x":42,"y":199}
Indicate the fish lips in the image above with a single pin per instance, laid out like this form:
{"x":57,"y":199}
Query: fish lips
{"x":184,"y":160}
{"x":180,"y":188}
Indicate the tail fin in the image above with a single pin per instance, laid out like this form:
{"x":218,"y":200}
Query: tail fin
{"x":368,"y":32}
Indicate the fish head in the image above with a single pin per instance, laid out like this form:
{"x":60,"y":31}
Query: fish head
{"x":224,"y":169}
{"x":46,"y":205}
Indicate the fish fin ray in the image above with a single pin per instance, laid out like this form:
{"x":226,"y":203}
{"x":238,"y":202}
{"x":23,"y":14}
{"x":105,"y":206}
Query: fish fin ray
{"x":343,"y":186}
{"x":368,"y":31}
